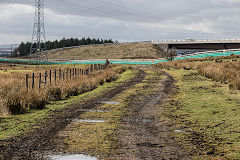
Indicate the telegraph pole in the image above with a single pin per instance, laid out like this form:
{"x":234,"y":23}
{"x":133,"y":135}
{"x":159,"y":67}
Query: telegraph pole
{"x":38,"y":36}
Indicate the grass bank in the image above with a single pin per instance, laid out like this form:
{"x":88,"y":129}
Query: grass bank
{"x":17,"y":125}
{"x":117,"y":51}
{"x":206,"y":116}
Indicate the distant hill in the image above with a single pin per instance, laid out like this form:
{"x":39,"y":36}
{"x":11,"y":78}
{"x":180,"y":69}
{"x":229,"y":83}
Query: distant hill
{"x":112,"y":51}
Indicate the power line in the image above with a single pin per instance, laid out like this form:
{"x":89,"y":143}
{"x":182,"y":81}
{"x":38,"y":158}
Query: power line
{"x":38,"y":36}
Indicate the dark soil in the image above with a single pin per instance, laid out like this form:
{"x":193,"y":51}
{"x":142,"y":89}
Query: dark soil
{"x":145,"y":135}
{"x":31,"y":145}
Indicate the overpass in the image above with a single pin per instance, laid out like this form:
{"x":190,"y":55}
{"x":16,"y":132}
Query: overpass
{"x":191,"y":45}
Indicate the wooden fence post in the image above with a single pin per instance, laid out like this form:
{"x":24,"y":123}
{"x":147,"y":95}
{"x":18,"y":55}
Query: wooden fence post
{"x":33,"y":77}
{"x":63,"y":74}
{"x":60,"y":74}
{"x":55,"y":76}
{"x":45,"y":78}
{"x":27,"y":77}
{"x":87,"y":71}
{"x":40,"y":81}
{"x":75,"y":72}
{"x":50,"y":76}
{"x":66,"y":74}
{"x":70,"y":74}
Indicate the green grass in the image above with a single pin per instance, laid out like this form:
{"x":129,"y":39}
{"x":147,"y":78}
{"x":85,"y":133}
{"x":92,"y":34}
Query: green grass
{"x":18,"y":124}
{"x":209,"y":114}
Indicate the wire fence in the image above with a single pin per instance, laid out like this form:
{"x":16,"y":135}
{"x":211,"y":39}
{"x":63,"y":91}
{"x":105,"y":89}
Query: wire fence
{"x":53,"y":76}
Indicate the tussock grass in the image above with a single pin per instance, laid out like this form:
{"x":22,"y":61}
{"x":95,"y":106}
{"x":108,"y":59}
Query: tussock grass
{"x":17,"y":125}
{"x":15,"y":99}
{"x":221,"y":69}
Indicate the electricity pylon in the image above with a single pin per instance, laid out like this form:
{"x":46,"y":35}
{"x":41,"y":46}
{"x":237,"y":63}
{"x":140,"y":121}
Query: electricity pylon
{"x":38,"y":36}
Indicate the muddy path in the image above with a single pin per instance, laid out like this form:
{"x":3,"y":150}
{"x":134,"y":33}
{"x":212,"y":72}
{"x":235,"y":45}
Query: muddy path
{"x":31,"y":146}
{"x":145,"y":133}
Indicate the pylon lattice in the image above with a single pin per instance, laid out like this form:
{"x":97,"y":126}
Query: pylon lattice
{"x":38,"y":36}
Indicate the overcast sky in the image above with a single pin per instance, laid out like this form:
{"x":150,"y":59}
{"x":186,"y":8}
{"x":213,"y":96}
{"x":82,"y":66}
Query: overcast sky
{"x":122,"y":20}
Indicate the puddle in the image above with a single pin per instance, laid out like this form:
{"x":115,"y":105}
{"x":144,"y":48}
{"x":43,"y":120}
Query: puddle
{"x":72,"y":157}
{"x":88,"y":121}
{"x":179,"y":131}
{"x":110,"y":102}
{"x":92,"y":110}
{"x":140,"y":120}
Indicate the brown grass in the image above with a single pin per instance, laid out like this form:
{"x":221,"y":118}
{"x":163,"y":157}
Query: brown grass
{"x":15,"y":99}
{"x":221,"y":69}
{"x":118,"y":51}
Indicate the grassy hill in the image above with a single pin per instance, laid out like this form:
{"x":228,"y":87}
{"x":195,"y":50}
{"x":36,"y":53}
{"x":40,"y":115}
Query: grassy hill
{"x":118,"y":51}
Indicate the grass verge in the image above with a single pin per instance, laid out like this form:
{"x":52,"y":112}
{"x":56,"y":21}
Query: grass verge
{"x":206,"y":115}
{"x":17,"y":125}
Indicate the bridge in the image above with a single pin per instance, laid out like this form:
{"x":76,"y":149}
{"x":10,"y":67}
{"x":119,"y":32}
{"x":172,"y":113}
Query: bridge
{"x":192,"y":46}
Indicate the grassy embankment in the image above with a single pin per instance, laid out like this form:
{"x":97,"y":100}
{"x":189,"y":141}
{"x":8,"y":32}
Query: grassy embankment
{"x":101,"y":139}
{"x":118,"y":51}
{"x":206,"y":112}
{"x":16,"y":125}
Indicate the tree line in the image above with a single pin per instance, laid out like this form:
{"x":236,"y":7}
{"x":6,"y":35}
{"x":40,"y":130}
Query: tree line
{"x":24,"y":48}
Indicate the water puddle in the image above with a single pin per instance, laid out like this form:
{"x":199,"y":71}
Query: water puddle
{"x":72,"y":157}
{"x":106,"y":102}
{"x":178,"y":131}
{"x":92,"y":110}
{"x":88,"y":121}
{"x":140,"y":120}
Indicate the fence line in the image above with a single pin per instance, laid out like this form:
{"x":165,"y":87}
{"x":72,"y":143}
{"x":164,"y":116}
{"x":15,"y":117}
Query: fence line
{"x":63,"y":74}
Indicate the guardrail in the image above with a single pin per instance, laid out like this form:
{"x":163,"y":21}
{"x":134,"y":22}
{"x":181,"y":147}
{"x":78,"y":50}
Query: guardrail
{"x":197,"y":41}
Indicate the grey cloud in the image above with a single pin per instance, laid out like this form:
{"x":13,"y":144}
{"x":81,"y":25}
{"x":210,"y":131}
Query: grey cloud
{"x":129,"y":19}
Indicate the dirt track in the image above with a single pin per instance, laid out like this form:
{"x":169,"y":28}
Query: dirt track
{"x":143,"y":136}
{"x":29,"y":146}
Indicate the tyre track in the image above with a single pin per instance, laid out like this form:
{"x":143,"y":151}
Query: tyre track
{"x":31,"y":145}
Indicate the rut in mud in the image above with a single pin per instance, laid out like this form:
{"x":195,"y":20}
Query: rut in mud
{"x":30,"y":146}
{"x":145,"y":135}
